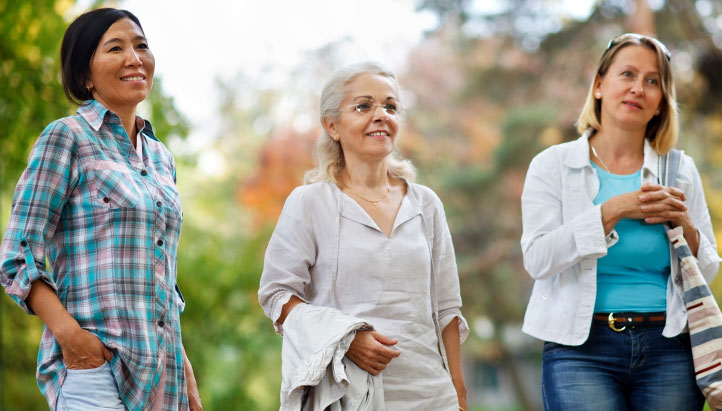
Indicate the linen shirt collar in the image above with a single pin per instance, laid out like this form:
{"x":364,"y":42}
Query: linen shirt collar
{"x":578,"y":156}
{"x":96,"y":114}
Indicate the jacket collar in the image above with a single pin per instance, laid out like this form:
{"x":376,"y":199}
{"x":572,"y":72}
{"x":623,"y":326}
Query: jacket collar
{"x":578,"y":155}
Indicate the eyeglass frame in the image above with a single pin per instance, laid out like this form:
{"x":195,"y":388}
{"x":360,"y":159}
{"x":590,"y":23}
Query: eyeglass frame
{"x":374,"y":105}
{"x":613,"y":42}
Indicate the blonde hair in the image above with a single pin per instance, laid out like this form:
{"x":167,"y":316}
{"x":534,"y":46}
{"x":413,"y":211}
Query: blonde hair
{"x":329,"y":154}
{"x":663,"y":129}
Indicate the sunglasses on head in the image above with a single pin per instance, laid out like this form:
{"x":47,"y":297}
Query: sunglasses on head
{"x":636,"y":36}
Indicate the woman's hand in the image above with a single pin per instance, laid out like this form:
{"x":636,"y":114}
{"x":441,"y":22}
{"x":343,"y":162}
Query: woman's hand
{"x":660,"y":204}
{"x":370,"y":351}
{"x":653,"y":203}
{"x":83,"y":350}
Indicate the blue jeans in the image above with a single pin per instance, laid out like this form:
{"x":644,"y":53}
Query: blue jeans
{"x":637,"y":370}
{"x":93,"y":389}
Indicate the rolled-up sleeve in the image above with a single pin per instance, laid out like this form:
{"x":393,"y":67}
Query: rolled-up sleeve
{"x":549,"y":244}
{"x":448,"y":292}
{"x":290,"y":254}
{"x":38,"y":202}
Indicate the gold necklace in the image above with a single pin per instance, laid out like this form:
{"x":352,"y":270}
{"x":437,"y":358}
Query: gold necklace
{"x":373,"y":202}
{"x":599,"y":158}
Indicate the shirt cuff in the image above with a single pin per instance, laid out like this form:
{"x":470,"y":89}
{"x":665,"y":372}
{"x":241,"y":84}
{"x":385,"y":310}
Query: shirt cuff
{"x":27,"y":273}
{"x":589,"y":233}
{"x":448,"y":315}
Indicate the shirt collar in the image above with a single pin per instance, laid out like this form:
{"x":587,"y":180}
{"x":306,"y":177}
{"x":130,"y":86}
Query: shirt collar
{"x":578,"y":156}
{"x":95,"y":114}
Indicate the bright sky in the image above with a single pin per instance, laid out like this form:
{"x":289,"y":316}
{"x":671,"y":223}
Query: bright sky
{"x":197,"y":43}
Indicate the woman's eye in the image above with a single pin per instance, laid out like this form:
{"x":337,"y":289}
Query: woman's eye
{"x":116,"y":48}
{"x":653,"y":81}
{"x":142,"y":46}
{"x":390,"y":108}
{"x":363,"y":107}
{"x":627,"y":74}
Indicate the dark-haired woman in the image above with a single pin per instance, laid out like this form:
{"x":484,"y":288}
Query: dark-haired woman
{"x":607,"y":296}
{"x":98,"y":201}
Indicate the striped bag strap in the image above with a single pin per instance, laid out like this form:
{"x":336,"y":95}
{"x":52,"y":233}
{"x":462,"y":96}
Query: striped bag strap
{"x":668,"y":167}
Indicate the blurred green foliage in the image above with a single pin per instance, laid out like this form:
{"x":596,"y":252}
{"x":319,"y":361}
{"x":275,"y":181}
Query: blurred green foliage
{"x":490,"y":92}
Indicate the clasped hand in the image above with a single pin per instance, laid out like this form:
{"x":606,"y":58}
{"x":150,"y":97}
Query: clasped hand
{"x":662,"y":204}
{"x":653,"y":203}
{"x":370,"y":351}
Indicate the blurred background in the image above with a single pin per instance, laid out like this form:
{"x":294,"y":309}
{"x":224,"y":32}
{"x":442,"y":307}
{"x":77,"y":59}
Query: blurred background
{"x":487,"y":83}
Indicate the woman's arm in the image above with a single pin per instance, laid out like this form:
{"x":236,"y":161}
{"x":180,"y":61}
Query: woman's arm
{"x":290,"y":254}
{"x":81,"y":348}
{"x":550,"y":244}
{"x":452,"y":343}
{"x":38,"y":201}
{"x":194,"y":398}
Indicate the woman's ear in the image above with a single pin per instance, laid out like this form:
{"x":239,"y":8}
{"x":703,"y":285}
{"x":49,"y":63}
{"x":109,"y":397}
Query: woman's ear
{"x":598,"y":87}
{"x":330,"y":127}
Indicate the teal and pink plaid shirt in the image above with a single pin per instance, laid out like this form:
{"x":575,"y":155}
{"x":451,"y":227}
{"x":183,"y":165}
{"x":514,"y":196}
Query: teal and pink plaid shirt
{"x":108,"y":223}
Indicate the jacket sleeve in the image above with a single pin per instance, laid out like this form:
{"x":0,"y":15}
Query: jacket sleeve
{"x":38,"y":202}
{"x":290,"y":254}
{"x":707,"y":256}
{"x":447,"y":273}
{"x":549,"y":244}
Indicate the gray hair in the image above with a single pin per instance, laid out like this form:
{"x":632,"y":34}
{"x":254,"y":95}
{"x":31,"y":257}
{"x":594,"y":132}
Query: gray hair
{"x":329,"y":154}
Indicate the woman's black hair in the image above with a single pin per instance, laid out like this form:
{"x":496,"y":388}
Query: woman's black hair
{"x":79,"y":44}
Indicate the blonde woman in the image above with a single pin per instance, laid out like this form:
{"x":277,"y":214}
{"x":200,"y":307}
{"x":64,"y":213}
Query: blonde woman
{"x":607,"y":297}
{"x":363,"y":239}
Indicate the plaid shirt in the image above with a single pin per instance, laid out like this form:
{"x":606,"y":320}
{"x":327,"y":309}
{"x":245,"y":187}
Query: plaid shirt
{"x":108,"y":223}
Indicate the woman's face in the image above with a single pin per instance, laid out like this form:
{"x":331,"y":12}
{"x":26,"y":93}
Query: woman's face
{"x":369,"y":120}
{"x":631,"y":90}
{"x":121,"y":70}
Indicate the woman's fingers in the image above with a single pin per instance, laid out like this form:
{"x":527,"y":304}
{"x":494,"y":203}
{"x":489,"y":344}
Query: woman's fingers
{"x":666,"y":205}
{"x":656,"y":192}
{"x":369,"y":353}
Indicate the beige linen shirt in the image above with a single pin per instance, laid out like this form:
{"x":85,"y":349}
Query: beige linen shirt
{"x":327,"y":251}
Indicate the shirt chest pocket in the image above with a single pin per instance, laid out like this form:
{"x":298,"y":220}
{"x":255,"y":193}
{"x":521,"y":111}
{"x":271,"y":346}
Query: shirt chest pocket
{"x":112,"y":185}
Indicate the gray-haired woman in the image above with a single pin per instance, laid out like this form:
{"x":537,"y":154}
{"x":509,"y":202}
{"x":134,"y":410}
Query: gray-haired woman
{"x":361,"y":238}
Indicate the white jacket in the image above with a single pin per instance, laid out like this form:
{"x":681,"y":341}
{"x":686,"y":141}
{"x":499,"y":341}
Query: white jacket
{"x":315,"y":372}
{"x":563,"y":238}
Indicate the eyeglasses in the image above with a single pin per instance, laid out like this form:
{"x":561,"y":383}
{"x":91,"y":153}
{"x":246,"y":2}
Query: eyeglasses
{"x":640,"y":37}
{"x":367,"y":107}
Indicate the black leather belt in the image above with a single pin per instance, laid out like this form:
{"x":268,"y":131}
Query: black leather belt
{"x":630,"y":319}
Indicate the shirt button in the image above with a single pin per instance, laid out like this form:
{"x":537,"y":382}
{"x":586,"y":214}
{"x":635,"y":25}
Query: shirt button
{"x":161,"y":323}
{"x":23,"y":243}
{"x":144,"y":173}
{"x":160,"y":242}
{"x":106,"y":200}
{"x":158,"y":203}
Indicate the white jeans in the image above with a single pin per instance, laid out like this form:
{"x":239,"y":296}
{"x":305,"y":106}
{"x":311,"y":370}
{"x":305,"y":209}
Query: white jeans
{"x":93,"y":389}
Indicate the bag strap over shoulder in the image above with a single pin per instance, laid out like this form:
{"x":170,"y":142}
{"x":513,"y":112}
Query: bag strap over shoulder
{"x":669,"y":165}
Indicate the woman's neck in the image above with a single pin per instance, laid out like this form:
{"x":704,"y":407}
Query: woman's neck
{"x":617,"y":152}
{"x":127,"y":118}
{"x":367,"y":175}
{"x":619,"y":144}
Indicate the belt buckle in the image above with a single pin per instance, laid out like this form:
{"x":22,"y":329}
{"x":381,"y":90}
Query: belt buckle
{"x":612,"y":325}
